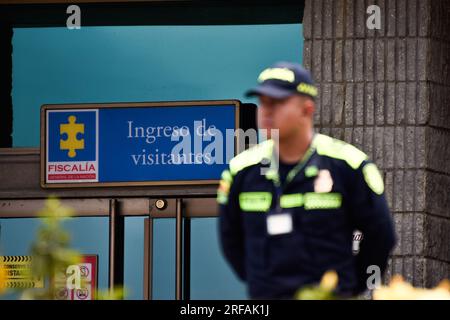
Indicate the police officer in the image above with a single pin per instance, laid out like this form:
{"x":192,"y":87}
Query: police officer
{"x":289,"y":206}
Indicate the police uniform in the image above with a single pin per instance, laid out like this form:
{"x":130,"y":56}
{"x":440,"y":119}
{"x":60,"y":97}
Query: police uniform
{"x":282,"y":227}
{"x":331,"y":192}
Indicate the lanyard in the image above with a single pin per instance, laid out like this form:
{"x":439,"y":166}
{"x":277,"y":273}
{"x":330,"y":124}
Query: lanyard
{"x":290,"y":176}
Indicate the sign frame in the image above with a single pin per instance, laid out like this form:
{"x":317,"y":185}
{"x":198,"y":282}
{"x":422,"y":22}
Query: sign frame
{"x":198,"y":103}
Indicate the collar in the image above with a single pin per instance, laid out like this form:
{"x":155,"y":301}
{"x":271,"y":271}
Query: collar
{"x":272,"y":172}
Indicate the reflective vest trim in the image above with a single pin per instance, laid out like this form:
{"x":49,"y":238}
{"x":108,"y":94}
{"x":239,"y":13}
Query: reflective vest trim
{"x":314,"y":200}
{"x":255,"y":201}
{"x":291,"y":200}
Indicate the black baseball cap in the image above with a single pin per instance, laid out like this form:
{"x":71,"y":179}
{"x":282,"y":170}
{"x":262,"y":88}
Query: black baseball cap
{"x":284,"y":79}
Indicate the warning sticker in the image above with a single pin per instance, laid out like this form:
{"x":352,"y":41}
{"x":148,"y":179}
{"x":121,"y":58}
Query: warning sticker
{"x":66,"y":281}
{"x":18,"y":272}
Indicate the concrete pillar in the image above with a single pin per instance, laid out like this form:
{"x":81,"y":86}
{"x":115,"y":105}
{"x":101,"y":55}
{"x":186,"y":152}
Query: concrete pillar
{"x":387,"y":91}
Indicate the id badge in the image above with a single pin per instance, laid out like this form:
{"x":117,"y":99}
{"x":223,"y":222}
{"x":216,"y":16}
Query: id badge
{"x":279,"y":223}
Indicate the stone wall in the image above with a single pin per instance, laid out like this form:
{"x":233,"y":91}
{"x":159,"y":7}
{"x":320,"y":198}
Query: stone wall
{"x":387,"y":92}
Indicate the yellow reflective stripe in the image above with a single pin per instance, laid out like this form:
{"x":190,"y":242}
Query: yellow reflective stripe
{"x":226,"y":176}
{"x":224,"y":187}
{"x":251,"y":156}
{"x":314,"y":200}
{"x":373,"y":178}
{"x":283,"y":74}
{"x":311,"y":171}
{"x":272,"y":174}
{"x":291,"y":200}
{"x":245,"y":159}
{"x":225,"y":183}
{"x":222,"y":198}
{"x":255,"y":201}
{"x":261,"y":201}
{"x":307,"y":89}
{"x":334,"y":148}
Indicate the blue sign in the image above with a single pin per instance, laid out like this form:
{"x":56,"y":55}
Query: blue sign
{"x":139,"y":143}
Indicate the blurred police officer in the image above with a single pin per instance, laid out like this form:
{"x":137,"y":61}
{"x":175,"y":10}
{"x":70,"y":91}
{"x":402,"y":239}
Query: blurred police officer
{"x":289,"y":206}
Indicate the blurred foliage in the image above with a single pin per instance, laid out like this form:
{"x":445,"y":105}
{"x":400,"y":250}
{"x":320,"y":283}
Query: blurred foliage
{"x":52,"y":255}
{"x":398,"y":289}
{"x":50,"y":250}
{"x":118,"y":293}
{"x":323,"y":291}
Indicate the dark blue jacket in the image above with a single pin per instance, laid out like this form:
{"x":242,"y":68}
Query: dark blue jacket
{"x":331,"y":193}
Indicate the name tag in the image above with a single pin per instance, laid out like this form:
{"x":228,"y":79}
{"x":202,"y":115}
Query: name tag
{"x":280,"y":223}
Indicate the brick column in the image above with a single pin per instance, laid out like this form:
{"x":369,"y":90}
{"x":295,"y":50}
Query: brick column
{"x":437,"y":215}
{"x":387,"y":92}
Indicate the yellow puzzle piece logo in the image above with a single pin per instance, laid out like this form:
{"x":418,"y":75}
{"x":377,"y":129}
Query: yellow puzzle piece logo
{"x":71,"y":143}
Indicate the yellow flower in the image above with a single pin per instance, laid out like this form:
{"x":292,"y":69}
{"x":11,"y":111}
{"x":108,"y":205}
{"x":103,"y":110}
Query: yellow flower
{"x":398,"y":289}
{"x":329,"y":280}
{"x":444,"y":284}
{"x":323,"y":291}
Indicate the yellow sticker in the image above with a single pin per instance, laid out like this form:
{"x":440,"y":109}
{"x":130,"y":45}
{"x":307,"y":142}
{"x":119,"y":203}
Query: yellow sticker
{"x":18,"y":272}
{"x":373,"y":178}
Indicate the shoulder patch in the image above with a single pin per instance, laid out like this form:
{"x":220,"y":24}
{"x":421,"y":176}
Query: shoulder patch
{"x":334,"y":148}
{"x":224,"y":187}
{"x":373,"y":178}
{"x":251,"y":156}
